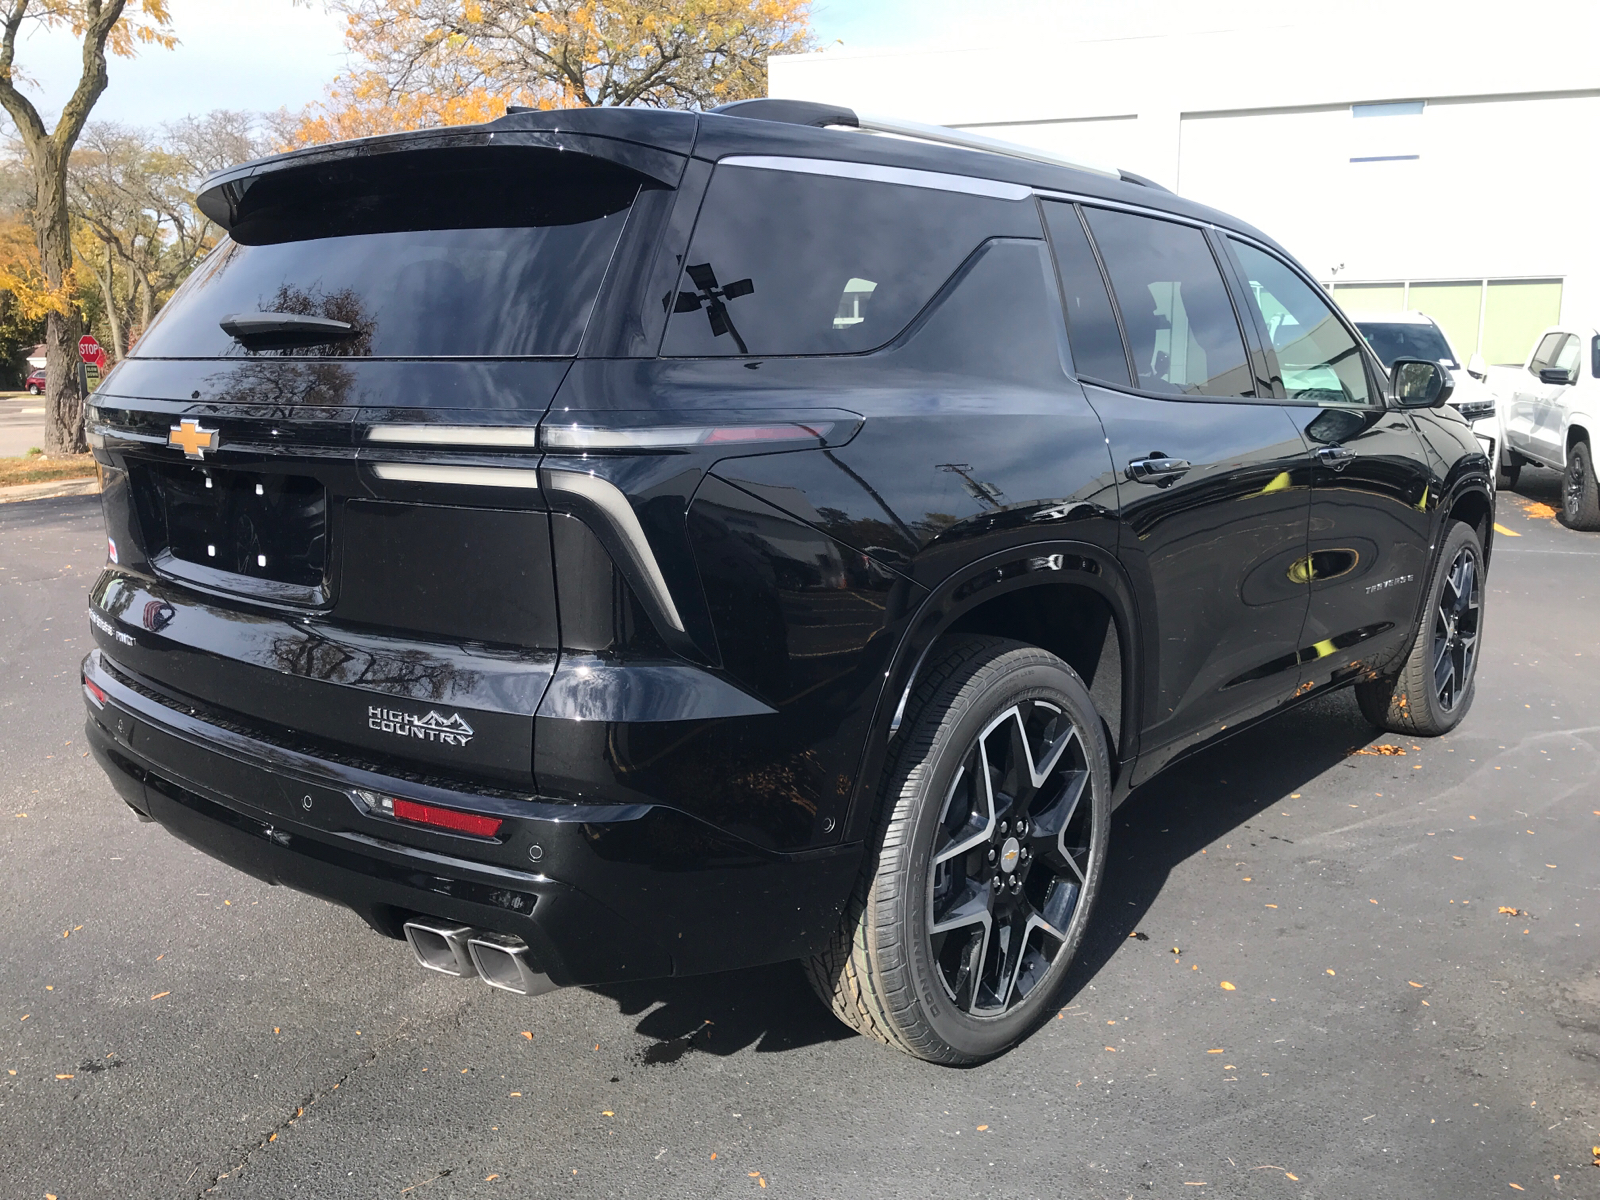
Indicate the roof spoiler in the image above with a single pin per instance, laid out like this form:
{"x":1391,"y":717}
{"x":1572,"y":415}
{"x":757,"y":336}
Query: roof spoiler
{"x":825,"y":116}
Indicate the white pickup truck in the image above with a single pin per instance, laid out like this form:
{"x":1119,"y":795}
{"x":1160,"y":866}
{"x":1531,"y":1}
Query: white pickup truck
{"x":1549,"y":412}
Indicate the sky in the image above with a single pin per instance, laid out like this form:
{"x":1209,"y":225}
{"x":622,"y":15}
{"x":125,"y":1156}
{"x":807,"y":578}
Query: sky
{"x":262,"y":55}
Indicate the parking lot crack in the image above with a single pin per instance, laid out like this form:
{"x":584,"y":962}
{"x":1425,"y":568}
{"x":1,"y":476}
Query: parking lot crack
{"x":303,"y":1106}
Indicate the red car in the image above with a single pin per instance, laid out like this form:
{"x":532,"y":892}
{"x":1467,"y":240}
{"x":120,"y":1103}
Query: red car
{"x":35,"y":382}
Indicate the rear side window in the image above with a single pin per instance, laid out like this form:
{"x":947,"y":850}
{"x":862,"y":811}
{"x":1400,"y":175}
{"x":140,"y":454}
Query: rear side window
{"x":1091,"y":325}
{"x":460,"y":253}
{"x":1175,"y":309}
{"x":784,"y":262}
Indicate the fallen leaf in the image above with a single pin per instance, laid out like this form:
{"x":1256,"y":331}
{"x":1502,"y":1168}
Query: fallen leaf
{"x":490,"y":1178}
{"x":516,"y":1094}
{"x":158,"y":995}
{"x":1330,"y":970}
{"x":1511,"y":912}
{"x":1370,"y":901}
{"x":1272,"y":906}
{"x":1458,"y":858}
{"x":713,"y":1155}
{"x":608,"y":1113}
{"x":1214,"y":1052}
{"x":1292,"y":1176}
{"x":273,"y":1138}
{"x":1113,"y":1049}
{"x":1228,"y":987}
{"x":274,"y":1029}
{"x":761,"y":1181}
{"x":1413,"y":983}
{"x":981,"y":1128}
{"x":1247,"y":879}
{"x":1518,"y":1186}
{"x":527,"y":1035}
{"x":1143,"y":937}
{"x":65,"y":1076}
{"x":1385,"y":750}
{"x":1425,"y":1004}
{"x":1550,"y":866}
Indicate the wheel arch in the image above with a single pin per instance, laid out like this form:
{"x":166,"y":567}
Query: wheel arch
{"x":1070,"y":598}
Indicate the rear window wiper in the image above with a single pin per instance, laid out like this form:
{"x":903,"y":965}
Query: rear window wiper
{"x":282,"y":330}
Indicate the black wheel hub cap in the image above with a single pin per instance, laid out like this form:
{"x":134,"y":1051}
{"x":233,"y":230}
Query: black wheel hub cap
{"x":1455,"y":630}
{"x":1011,"y":858}
{"x":1577,"y":480}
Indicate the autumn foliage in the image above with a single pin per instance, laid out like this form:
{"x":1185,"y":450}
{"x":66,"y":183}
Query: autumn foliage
{"x":451,"y":62}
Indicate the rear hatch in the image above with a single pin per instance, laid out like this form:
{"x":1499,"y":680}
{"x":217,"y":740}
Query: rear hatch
{"x":321,"y":499}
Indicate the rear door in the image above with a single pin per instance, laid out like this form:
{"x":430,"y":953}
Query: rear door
{"x":1212,"y":479}
{"x":1373,"y":488}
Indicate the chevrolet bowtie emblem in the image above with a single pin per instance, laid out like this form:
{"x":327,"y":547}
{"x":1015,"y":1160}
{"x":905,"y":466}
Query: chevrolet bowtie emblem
{"x":193,"y":437}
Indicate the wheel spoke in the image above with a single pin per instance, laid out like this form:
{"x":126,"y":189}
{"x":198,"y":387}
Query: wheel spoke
{"x":1444,"y":673}
{"x":1011,"y":857}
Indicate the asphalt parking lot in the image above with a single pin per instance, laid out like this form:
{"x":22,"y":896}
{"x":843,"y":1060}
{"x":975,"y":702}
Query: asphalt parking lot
{"x":1319,"y":969}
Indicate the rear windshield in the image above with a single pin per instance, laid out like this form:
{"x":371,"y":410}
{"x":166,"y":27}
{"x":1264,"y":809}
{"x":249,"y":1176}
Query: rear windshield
{"x":455,"y":253}
{"x":1394,"y":339}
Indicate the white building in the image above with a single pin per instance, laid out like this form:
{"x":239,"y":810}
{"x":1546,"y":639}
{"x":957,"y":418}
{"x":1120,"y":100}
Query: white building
{"x":1412,"y":153}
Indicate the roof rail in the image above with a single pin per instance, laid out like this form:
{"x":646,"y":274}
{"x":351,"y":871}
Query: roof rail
{"x":806,"y":112}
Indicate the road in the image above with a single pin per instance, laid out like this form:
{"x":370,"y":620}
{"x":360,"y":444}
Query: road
{"x":176,"y":1029}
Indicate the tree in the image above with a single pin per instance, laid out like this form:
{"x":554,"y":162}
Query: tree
{"x":445,"y":62}
{"x":103,"y":27}
{"x":134,"y":192}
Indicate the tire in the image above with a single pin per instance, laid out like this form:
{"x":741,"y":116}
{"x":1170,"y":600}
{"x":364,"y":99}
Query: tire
{"x":1508,"y":471}
{"x":1436,"y":685}
{"x":1580,"y":496}
{"x":33,"y":389}
{"x":968,"y":991}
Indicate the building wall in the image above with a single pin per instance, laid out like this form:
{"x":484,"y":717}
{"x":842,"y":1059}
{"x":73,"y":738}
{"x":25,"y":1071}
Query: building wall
{"x":1440,"y":149}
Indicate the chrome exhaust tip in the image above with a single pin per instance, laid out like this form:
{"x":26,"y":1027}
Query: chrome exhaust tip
{"x":442,"y":947}
{"x":503,"y":963}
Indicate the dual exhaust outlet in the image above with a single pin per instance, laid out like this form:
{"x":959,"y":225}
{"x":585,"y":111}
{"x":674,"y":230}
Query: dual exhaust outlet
{"x":464,"y":952}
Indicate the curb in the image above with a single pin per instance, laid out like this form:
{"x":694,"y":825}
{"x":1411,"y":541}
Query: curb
{"x":50,"y":489}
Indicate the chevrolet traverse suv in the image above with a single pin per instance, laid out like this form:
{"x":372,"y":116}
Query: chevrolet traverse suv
{"x":614,"y":544}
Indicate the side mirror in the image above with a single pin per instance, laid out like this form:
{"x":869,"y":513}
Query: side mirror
{"x":1419,"y":383}
{"x":1477,"y":368}
{"x":1557,"y":375}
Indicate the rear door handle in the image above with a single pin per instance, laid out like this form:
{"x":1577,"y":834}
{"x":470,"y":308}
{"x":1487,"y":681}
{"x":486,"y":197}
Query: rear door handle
{"x":1156,"y":470}
{"x":1337,"y":456}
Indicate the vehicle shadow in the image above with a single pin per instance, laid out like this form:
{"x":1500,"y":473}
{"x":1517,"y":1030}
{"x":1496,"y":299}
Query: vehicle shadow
{"x":1188,"y":807}
{"x":1166,"y":821}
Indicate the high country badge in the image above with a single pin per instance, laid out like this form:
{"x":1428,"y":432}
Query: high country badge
{"x":448,"y":731}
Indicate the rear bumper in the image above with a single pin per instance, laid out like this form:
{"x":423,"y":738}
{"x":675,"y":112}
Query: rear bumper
{"x":600,"y":893}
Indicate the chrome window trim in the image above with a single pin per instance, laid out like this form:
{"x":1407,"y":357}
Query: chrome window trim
{"x":937,"y":181}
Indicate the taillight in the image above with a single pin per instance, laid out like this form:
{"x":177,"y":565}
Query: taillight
{"x":96,"y":696}
{"x":432,"y":815}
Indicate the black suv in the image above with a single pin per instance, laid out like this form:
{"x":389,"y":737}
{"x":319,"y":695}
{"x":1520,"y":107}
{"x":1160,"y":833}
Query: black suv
{"x":613,"y":544}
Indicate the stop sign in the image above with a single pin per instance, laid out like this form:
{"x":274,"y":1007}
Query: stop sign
{"x":89,"y":350}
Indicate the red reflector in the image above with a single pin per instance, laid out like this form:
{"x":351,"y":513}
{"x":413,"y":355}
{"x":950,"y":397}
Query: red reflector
{"x":447,"y":818}
{"x":95,"y":694}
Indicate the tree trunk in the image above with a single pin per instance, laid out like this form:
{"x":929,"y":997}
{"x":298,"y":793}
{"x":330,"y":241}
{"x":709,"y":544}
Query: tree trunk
{"x":108,"y":289}
{"x":145,"y":303}
{"x":63,"y":409}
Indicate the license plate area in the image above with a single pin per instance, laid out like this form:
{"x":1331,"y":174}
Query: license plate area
{"x":247,"y":525}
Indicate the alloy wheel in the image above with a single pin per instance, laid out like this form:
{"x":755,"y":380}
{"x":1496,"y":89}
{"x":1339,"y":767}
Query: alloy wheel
{"x":1455,"y":629}
{"x":1011,"y":858}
